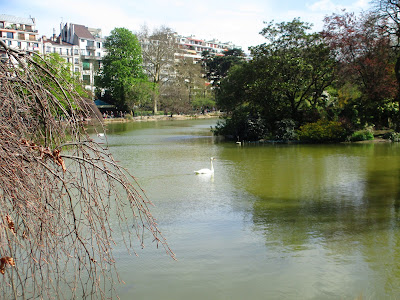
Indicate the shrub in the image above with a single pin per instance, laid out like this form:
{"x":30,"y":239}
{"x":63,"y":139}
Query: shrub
{"x":285,"y":130}
{"x":362,"y":135}
{"x":322,"y":131}
{"x":243,"y":126}
{"x":393,"y":136}
{"x":129,"y":117}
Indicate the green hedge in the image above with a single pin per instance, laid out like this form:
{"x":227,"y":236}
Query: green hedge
{"x":322,"y":131}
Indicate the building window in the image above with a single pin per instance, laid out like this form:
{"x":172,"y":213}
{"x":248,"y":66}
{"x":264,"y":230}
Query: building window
{"x":10,"y":35}
{"x":21,"y":36}
{"x":86,"y":79}
{"x":76,"y":61}
{"x":67,"y":51}
{"x":54,"y":50}
{"x":98,"y":45}
{"x":1,"y":24}
{"x":82,"y":40}
{"x":90,"y":43}
{"x":86,"y":65}
{"x":9,"y":43}
{"x":60,"y":51}
{"x":76,"y":52}
{"x":19,"y":44}
{"x":36,"y":45}
{"x":77,"y":70}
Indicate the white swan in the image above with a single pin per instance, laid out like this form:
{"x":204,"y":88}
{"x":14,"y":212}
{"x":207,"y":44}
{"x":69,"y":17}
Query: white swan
{"x":206,"y":171}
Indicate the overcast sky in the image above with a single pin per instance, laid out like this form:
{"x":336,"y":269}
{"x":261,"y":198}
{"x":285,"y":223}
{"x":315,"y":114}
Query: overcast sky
{"x":237,"y":21}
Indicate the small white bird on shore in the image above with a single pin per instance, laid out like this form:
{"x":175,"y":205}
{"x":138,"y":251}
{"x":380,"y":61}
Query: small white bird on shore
{"x":205,"y":170}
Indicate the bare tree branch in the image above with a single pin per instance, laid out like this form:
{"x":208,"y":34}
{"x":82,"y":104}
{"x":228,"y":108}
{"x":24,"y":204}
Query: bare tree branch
{"x":62,"y":195}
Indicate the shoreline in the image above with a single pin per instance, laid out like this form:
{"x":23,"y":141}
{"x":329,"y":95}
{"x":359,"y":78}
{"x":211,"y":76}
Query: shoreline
{"x":162,"y":118}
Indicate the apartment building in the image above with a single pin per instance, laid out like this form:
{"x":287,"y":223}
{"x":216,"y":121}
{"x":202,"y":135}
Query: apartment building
{"x":88,"y":50}
{"x":82,"y":46}
{"x":79,"y":45}
{"x":69,"y":52}
{"x":19,"y":33}
{"x":192,"y":47}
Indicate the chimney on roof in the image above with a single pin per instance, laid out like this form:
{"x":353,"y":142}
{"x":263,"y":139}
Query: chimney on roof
{"x":61,"y":37}
{"x":54,"y":34}
{"x":33,"y":20}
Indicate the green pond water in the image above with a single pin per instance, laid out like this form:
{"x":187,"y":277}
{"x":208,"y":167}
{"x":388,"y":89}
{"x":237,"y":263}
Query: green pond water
{"x":274,"y":222}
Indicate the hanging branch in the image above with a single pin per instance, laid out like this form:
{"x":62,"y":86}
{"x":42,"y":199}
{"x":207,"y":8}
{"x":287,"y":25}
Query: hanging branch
{"x":62,"y":195}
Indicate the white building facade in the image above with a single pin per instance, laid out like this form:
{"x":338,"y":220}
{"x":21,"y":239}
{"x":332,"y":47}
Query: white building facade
{"x":88,"y":50}
{"x":19,"y":33}
{"x":192,"y":47}
{"x":82,"y":46}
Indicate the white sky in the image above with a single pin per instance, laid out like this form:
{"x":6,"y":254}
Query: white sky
{"x":237,"y":21}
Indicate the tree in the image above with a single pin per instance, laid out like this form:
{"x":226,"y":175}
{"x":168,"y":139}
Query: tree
{"x":294,"y":68}
{"x":122,"y":66}
{"x":365,"y":60}
{"x":217,"y":66}
{"x":189,"y":74}
{"x":388,"y":12}
{"x":58,"y":189}
{"x":286,"y":79}
{"x":58,"y":66}
{"x":158,"y":49}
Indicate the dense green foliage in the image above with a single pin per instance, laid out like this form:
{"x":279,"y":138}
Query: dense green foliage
{"x":242,"y":125}
{"x":285,"y":130}
{"x":322,"y":131}
{"x":328,"y":84}
{"x":58,"y":67}
{"x":202,"y":103}
{"x":362,"y":135}
{"x":217,"y":66}
{"x":121,"y":74}
{"x":286,"y":78}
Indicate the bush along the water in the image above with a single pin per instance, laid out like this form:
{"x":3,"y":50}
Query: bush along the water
{"x":285,"y":130}
{"x":362,"y":135}
{"x":242,"y":126}
{"x":322,"y":131}
{"x":393,"y":136}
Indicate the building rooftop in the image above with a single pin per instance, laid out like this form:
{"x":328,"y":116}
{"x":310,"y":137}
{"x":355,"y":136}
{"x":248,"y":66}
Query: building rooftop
{"x":17,"y":20}
{"x":82,"y":32}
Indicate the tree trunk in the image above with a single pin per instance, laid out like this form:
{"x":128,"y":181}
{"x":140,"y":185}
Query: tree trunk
{"x":155,"y":104}
{"x":155,"y":100}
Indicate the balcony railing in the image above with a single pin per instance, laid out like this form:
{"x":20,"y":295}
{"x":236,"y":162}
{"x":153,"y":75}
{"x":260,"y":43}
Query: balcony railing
{"x":91,"y":57}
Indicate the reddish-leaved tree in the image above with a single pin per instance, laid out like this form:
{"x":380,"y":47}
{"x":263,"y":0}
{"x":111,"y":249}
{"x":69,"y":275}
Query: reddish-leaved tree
{"x":364,"y":55}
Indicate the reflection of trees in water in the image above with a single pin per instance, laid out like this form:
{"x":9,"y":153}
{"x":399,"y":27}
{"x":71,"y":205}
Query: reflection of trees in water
{"x":351,"y":219}
{"x":339,"y":202}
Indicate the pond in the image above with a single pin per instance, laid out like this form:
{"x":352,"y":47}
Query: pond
{"x":274,"y":222}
